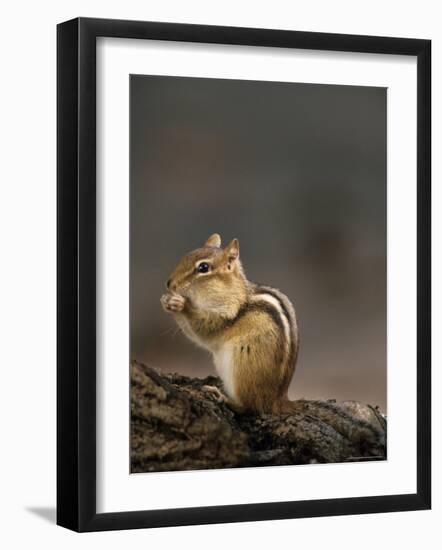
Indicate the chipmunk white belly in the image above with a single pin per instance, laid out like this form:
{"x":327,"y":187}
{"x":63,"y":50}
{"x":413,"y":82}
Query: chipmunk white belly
{"x":223,"y":359}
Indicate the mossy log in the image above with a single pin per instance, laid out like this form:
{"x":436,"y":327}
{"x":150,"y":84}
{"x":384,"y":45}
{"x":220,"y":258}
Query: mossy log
{"x":176,"y":424}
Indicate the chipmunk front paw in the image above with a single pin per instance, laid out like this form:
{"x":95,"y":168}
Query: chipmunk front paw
{"x":173,"y":303}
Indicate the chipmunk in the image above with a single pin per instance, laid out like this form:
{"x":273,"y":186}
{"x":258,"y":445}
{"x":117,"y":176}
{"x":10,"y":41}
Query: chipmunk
{"x":250,"y":330}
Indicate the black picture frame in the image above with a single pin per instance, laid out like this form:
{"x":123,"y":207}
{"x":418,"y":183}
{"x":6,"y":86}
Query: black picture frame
{"x":76,"y":274}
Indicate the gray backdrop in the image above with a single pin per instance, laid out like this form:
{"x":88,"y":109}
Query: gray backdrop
{"x":298,"y":173}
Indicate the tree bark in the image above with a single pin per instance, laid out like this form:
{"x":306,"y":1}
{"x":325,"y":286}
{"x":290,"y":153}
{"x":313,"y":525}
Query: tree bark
{"x":176,"y":424}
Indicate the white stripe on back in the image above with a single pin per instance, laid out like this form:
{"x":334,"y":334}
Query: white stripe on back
{"x":285,"y":322}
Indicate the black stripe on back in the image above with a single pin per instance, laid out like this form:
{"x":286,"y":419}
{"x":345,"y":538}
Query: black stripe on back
{"x":274,"y":294}
{"x":257,"y":306}
{"x":261,"y":289}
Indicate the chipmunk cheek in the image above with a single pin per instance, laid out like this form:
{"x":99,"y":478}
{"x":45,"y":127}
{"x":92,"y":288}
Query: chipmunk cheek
{"x":185,"y":288}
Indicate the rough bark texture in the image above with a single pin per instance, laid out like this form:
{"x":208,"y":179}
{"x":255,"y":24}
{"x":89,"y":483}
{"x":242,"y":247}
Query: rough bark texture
{"x":178,"y":425}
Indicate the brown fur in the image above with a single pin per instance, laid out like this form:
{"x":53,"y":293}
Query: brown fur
{"x":252,"y":328}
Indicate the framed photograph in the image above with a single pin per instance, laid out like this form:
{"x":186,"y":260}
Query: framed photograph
{"x":243,"y":274}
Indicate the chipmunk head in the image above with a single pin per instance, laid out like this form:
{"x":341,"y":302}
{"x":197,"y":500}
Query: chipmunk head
{"x":212,"y":277}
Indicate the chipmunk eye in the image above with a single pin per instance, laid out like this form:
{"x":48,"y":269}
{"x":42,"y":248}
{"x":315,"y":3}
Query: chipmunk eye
{"x":203,"y":267}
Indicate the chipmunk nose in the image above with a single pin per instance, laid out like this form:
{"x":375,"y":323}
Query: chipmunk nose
{"x":170,"y":286}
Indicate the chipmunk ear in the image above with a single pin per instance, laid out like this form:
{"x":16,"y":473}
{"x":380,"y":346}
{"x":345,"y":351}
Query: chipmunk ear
{"x":214,"y":240}
{"x":232,"y":250}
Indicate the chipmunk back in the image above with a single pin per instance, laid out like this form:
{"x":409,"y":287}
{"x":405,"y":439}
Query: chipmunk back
{"x":251,"y":330}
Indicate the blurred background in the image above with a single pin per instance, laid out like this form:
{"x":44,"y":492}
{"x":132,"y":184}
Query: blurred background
{"x":297,"y":172}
